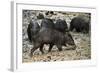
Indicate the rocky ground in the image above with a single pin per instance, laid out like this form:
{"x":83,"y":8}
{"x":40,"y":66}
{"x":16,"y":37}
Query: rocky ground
{"x":83,"y":42}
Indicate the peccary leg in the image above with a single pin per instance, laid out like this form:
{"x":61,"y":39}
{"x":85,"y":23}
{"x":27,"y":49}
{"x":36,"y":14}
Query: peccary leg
{"x":32,"y":50}
{"x":41,"y":48}
{"x":36,"y":46}
{"x":59,"y":47}
{"x":50,"y":47}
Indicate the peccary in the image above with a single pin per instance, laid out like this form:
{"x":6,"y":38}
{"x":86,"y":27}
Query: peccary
{"x":61,"y":26}
{"x":52,"y":37}
{"x":80,"y":24}
{"x":32,"y":29}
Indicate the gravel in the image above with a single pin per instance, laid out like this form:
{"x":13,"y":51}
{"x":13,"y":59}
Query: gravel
{"x":82,"y":52}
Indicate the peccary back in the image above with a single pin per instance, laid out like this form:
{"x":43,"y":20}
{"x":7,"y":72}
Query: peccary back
{"x":61,"y":25}
{"x":80,"y":24}
{"x":47,"y":23}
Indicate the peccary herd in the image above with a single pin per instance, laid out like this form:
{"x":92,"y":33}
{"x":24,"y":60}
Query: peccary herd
{"x":54,"y":33}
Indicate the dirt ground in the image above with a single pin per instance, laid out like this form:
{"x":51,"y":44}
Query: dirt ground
{"x":82,"y":41}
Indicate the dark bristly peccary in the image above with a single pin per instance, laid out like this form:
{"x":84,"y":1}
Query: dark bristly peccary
{"x":80,"y":24}
{"x":47,"y":34}
{"x":32,"y":29}
{"x":52,"y":37}
{"x":61,"y":25}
